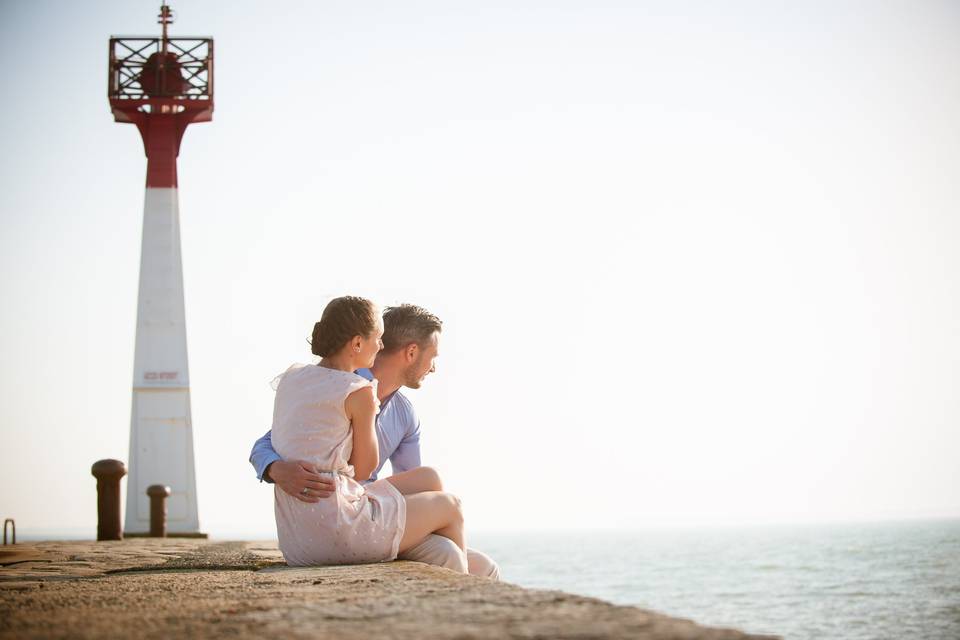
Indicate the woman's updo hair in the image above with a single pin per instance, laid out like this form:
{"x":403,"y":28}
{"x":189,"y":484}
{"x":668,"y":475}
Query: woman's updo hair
{"x":342,"y":319}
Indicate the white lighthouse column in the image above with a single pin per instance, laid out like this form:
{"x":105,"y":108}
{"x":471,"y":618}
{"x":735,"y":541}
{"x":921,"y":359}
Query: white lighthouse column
{"x":161,"y":434}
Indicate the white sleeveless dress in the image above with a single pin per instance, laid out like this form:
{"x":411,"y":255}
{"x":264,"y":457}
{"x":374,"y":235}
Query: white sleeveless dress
{"x":359,"y":523}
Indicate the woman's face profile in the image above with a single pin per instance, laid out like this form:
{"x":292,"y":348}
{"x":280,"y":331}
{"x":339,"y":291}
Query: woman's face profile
{"x":370,"y":346}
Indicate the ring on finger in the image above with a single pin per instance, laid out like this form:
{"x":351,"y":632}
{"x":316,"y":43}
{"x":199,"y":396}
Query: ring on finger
{"x":305,"y":491}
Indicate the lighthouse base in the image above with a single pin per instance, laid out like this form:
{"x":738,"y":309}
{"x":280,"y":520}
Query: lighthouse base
{"x":161,"y":452}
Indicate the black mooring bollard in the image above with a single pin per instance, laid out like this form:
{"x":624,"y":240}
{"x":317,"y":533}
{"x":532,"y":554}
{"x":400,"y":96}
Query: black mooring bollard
{"x":13,"y":526}
{"x":108,"y":474}
{"x":158,"y":510}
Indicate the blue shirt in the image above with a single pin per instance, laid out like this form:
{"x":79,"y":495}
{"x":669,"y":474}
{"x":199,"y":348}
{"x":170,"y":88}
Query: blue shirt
{"x":398,"y":436}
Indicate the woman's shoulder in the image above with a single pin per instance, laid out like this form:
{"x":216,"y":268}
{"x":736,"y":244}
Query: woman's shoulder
{"x":348,"y":377}
{"x":292,"y":371}
{"x":312,"y":373}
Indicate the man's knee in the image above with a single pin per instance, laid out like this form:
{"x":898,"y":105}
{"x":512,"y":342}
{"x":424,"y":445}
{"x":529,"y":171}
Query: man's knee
{"x":438,"y":551}
{"x":431,"y":478}
{"x":455,"y":507}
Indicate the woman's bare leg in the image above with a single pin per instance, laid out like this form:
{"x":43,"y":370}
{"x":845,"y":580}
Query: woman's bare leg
{"x":416,"y":480}
{"x":432,"y":512}
{"x":429,"y":510}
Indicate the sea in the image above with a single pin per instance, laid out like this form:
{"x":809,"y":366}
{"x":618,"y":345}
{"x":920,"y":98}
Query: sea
{"x":864,"y":581}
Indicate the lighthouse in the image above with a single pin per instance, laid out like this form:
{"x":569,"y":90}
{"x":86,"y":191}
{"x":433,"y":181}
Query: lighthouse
{"x":161,"y":85}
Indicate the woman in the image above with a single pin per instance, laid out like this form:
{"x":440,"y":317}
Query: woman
{"x":325,"y":413}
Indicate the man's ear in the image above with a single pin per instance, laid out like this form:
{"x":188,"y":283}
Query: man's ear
{"x":411,"y":351}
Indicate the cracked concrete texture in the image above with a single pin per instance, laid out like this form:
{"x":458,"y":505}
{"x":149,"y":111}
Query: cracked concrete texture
{"x":158,"y":588}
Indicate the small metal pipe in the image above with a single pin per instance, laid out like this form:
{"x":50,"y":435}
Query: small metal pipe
{"x":108,"y":474}
{"x":13,"y":526}
{"x":158,"y":510}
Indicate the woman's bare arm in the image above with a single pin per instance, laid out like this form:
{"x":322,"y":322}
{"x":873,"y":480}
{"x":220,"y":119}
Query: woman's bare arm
{"x":361,"y":408}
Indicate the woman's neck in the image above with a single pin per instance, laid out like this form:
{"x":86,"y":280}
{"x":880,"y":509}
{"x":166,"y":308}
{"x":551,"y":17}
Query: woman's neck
{"x":339,"y":361}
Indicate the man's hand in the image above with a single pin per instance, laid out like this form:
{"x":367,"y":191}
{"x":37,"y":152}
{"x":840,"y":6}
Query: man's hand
{"x":301,"y":480}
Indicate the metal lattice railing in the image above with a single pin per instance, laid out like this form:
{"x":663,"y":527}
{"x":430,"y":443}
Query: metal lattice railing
{"x":141,"y":68}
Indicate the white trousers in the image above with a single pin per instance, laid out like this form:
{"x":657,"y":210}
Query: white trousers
{"x":442,"y":552}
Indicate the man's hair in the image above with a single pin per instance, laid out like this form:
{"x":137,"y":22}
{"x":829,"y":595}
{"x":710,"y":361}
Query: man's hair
{"x":405,"y":324}
{"x":342,"y":319}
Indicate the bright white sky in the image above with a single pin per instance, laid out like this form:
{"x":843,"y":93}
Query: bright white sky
{"x":695,"y":265}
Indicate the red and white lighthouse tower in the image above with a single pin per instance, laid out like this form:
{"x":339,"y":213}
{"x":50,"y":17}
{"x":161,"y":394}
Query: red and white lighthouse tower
{"x":161,"y":85}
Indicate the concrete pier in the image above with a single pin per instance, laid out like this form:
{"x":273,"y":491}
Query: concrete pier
{"x":163,"y":587}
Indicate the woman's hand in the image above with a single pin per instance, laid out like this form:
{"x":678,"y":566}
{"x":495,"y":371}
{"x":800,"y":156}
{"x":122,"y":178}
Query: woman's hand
{"x":301,"y":480}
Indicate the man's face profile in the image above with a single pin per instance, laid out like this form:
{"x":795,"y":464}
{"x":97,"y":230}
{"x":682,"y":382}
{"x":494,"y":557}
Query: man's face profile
{"x":424,"y":362}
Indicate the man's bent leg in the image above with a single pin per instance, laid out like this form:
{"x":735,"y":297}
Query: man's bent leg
{"x":480,"y":564}
{"x":438,"y":551}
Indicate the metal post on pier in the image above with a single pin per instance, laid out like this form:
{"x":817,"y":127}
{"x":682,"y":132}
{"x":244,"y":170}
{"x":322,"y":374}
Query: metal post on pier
{"x":108,"y":474}
{"x":158,"y":510}
{"x":13,"y":526}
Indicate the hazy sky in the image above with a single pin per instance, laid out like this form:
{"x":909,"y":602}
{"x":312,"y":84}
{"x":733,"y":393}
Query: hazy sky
{"x":696,"y":263}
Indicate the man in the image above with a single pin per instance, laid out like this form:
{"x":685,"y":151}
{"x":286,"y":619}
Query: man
{"x":410,"y":346}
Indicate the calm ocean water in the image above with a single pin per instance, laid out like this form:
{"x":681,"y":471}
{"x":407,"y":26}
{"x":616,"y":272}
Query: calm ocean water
{"x":882,"y":580}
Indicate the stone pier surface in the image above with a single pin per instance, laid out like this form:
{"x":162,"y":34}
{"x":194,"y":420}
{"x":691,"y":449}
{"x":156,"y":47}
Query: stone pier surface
{"x":163,"y":588}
